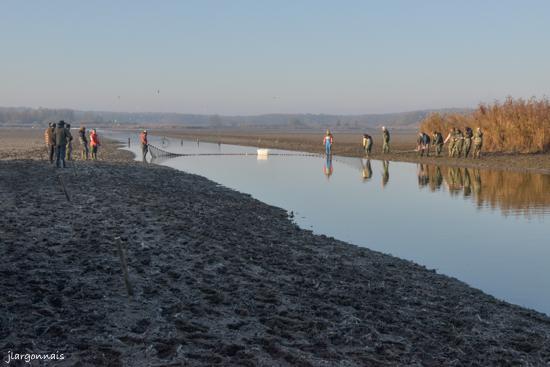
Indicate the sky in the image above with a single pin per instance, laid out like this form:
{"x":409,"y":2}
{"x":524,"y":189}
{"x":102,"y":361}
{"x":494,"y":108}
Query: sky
{"x":250,"y":57}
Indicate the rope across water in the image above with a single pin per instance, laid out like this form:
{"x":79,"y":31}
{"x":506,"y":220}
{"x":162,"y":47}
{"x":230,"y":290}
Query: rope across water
{"x":161,"y":153}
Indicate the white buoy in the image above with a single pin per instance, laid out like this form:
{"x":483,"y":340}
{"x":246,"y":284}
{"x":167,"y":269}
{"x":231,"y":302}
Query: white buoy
{"x":262,"y":154}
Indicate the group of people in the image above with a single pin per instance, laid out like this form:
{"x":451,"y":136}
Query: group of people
{"x":59,"y":142}
{"x":459,"y":144}
{"x":368,"y":142}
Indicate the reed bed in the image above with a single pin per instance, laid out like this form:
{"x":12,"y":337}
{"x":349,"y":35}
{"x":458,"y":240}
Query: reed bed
{"x":514,"y":126}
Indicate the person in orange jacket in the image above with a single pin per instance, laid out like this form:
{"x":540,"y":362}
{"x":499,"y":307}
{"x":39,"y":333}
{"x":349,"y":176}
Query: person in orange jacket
{"x":144,"y":143}
{"x":94,"y":143}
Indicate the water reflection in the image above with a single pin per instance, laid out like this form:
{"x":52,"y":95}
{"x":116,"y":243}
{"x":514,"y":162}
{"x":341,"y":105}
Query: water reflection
{"x":366,"y":169}
{"x":385,"y":173}
{"x":511,"y":192}
{"x":328,"y":169}
{"x":516,"y":193}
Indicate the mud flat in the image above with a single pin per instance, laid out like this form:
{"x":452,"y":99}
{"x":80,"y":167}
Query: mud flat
{"x":349,"y":144}
{"x":220,"y":278}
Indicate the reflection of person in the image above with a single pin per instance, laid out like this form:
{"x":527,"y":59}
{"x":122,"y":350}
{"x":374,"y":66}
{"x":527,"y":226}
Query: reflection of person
{"x":144,"y":143}
{"x":367,"y":169}
{"x":438,"y":177}
{"x":327,"y":141}
{"x":327,"y":169}
{"x":386,"y":140}
{"x":467,"y":183}
{"x":367,"y":144}
{"x":385,"y":173}
{"x":423,"y":175}
{"x":476,"y":184}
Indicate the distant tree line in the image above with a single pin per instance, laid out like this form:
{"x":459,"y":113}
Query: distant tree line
{"x":33,"y":116}
{"x":41,"y":116}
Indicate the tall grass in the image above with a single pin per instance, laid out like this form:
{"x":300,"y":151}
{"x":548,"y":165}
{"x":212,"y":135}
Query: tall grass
{"x":517,"y":125}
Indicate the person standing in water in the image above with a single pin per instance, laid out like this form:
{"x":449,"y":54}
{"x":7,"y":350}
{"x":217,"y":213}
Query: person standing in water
{"x":367,"y":144}
{"x":94,"y":143}
{"x":459,"y":141}
{"x":49,"y":137}
{"x":327,"y":141}
{"x":478,"y":143}
{"x":144,"y":144}
{"x":83,"y":142}
{"x":386,"y":140}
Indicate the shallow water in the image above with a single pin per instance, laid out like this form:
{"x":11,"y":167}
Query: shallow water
{"x":486,"y":228}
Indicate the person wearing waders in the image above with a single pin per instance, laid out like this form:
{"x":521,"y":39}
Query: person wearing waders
{"x":450,"y":139}
{"x":468,"y":134}
{"x":367,"y":144}
{"x":438,"y":142}
{"x":94,"y":144}
{"x":61,"y":139}
{"x":69,"y":147}
{"x":426,"y":141}
{"x":327,"y":141}
{"x":83,"y":142}
{"x":144,"y":144}
{"x":478,"y":143}
{"x":386,"y":140}
{"x":49,"y":137}
{"x":459,"y":141}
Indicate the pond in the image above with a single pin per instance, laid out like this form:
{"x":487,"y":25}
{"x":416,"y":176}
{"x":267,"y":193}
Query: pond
{"x":487,"y":228}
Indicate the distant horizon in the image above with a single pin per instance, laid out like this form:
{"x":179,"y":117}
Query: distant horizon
{"x":242,"y":115}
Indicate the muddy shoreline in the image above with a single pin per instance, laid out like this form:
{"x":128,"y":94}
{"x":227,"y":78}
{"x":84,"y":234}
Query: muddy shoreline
{"x":349,"y":144}
{"x":220,"y":278}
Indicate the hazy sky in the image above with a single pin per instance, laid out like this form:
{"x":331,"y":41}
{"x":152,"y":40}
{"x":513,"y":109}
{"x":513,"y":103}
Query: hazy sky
{"x":250,"y":57}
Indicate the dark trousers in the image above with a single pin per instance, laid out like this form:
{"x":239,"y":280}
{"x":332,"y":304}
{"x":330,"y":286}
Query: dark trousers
{"x":51,"y":152}
{"x":60,"y":156}
{"x":144,"y":150}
